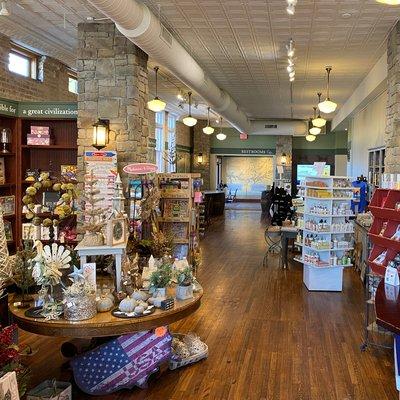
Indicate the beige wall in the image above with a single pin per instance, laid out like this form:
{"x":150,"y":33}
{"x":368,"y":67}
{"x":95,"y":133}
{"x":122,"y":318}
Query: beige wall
{"x":367,"y":131}
{"x":15,"y":87}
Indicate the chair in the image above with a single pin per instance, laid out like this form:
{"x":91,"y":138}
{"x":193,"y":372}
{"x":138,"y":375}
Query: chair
{"x":231,"y":197}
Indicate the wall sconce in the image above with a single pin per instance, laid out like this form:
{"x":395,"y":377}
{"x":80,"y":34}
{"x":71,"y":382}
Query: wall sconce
{"x":200,"y":158}
{"x":283,"y":159}
{"x":100,"y":133}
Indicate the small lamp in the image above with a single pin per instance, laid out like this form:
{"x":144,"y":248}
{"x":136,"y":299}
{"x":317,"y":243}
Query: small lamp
{"x":5,"y":139}
{"x":283,"y":159}
{"x":200,"y":158}
{"x":100,"y":133}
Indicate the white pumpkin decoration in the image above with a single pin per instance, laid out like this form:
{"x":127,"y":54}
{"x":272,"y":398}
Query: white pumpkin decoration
{"x":127,"y":305}
{"x":139,"y":310}
{"x":104,"y":304}
{"x":137,"y":295}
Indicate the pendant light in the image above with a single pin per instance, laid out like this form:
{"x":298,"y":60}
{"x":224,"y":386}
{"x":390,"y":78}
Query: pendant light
{"x":319,"y":122}
{"x":313,"y":129}
{"x":156,"y":104}
{"x":221,"y":135}
{"x":327,"y":106}
{"x":189,"y":120}
{"x":208,"y":130}
{"x":310,"y":138}
{"x":389,"y":2}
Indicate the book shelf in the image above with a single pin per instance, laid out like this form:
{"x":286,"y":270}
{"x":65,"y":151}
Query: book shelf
{"x":385,"y":230}
{"x":179,"y":214}
{"x":62,"y":151}
{"x":326,"y":239}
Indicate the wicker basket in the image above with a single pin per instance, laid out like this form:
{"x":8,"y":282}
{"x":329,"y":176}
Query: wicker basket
{"x":174,"y":364}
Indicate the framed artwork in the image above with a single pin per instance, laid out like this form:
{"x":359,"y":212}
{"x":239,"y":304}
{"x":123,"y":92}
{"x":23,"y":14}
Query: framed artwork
{"x":8,"y":231}
{"x":8,"y":204}
{"x":116,"y":231}
{"x":50,"y":199}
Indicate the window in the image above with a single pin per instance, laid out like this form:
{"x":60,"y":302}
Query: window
{"x":172,"y":141}
{"x":72,"y":82}
{"x":22,"y":62}
{"x":160,"y":140}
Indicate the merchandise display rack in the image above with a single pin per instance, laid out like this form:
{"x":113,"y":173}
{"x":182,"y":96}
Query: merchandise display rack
{"x":326,"y":239}
{"x":179,"y":213}
{"x":385,"y":230}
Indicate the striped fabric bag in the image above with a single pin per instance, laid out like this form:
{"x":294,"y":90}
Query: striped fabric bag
{"x":124,"y":362}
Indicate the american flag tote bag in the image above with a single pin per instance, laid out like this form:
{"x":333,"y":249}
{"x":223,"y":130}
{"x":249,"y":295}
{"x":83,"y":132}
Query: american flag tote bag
{"x":122,"y":363}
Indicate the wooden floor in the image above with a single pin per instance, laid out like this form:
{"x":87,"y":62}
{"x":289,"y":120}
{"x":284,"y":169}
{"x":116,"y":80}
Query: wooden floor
{"x":269,"y":338}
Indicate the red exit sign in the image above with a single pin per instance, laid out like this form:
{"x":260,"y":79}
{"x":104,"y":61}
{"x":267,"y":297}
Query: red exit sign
{"x":244,"y":136}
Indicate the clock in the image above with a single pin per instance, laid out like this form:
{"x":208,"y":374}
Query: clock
{"x":116,"y":231}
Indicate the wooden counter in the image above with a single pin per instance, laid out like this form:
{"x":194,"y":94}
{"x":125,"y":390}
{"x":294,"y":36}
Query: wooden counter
{"x":105,"y":324}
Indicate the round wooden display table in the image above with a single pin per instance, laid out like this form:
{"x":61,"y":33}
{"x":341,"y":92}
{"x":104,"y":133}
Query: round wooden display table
{"x":105,"y":324}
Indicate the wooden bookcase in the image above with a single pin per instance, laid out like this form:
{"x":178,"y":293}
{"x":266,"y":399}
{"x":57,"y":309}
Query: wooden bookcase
{"x":22,"y":156}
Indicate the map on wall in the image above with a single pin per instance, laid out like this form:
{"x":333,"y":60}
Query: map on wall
{"x":249,"y":175}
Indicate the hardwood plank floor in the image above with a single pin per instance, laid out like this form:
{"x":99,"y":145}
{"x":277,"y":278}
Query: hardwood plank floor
{"x":269,"y":338}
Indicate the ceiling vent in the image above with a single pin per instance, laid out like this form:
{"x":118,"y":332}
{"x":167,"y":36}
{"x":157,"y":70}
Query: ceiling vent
{"x":279,"y":127}
{"x":271,"y":126}
{"x":166,"y":35}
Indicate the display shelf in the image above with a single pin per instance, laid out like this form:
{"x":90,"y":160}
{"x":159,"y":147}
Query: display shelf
{"x":49,"y":147}
{"x":329,"y":275}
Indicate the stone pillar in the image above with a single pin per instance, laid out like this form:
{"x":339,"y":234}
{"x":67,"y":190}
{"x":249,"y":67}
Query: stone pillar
{"x":392,"y":138}
{"x":201,"y":144}
{"x":113,"y":85}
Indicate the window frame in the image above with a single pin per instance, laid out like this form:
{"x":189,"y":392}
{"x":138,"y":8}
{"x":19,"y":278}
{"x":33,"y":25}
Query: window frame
{"x":171,"y":130}
{"x":28,"y":55}
{"x":159,"y":133}
{"x":73,"y":75}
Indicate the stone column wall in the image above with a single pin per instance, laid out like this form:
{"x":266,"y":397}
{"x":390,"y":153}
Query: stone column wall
{"x":201,"y":144}
{"x":113,"y":85}
{"x":392,"y":139}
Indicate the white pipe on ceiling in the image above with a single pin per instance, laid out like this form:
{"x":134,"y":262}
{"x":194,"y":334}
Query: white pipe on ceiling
{"x":142,"y":27}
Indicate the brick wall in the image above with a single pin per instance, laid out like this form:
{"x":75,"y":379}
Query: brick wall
{"x":113,"y":85}
{"x":16,"y":87}
{"x":392,"y":137}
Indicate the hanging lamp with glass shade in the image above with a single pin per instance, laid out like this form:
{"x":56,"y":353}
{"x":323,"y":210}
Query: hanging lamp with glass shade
{"x":313,"y":130}
{"x":327,"y":106}
{"x":156,"y":104}
{"x":310,"y":138}
{"x":189,"y":120}
{"x":208,"y":130}
{"x":319,"y":122}
{"x":221,"y":135}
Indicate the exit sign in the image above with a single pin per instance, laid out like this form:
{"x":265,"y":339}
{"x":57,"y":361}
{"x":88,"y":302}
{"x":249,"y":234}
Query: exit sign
{"x":244,"y":136}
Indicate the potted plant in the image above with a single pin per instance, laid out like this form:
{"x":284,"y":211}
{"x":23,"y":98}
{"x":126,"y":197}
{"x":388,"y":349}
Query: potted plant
{"x":160,"y":279}
{"x":185,"y":279}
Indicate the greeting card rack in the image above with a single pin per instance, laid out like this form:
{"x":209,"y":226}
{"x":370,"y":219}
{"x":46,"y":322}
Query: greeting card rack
{"x":385,"y":230}
{"x":179,"y":214}
{"x":326,"y":239}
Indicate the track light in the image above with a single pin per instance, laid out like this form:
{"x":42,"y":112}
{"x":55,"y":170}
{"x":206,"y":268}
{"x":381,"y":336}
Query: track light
{"x":292,"y":74}
{"x":291,"y":6}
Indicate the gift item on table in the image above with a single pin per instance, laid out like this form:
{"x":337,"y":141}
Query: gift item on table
{"x":79,"y":301}
{"x":51,"y":390}
{"x":167,"y":304}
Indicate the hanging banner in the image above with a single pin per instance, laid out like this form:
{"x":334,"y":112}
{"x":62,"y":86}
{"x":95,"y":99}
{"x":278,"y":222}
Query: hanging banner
{"x":9,"y":108}
{"x":104,"y":167}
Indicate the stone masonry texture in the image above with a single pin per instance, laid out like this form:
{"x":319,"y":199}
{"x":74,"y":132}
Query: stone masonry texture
{"x":113,"y":85}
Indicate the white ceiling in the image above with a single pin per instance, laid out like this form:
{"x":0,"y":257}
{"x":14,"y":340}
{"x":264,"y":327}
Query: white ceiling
{"x":241,"y":44}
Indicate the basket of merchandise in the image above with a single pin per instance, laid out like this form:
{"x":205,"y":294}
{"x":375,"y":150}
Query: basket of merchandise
{"x":186,"y":349}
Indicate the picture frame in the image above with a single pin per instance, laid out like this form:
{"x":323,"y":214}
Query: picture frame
{"x":89,"y":272}
{"x":116,"y":231}
{"x":8,"y":231}
{"x":8,"y":205}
